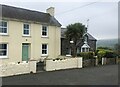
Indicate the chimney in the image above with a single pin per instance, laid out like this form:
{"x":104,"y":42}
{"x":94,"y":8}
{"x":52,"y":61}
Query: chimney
{"x":51,"y":11}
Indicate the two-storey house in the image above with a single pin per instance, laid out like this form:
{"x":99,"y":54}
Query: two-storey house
{"x":28,"y":35}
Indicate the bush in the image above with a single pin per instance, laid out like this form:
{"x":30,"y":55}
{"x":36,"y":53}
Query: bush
{"x":110,"y":54}
{"x":101,"y":53}
{"x":78,"y":54}
{"x":96,"y":52}
{"x":106,"y":53}
{"x":87,"y":55}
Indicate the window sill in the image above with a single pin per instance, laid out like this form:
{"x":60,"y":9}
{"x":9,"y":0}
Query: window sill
{"x":4,"y":57}
{"x":44,"y":37}
{"x":4,"y":35}
{"x":25,"y":36}
{"x":44,"y":55}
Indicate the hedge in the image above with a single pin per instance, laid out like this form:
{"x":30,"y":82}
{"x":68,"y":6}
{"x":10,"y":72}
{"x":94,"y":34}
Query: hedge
{"x":87,"y":55}
{"x":106,"y":53}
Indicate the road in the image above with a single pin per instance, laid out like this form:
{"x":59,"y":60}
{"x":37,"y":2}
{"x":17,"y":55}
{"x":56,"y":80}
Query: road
{"x":101,"y":75}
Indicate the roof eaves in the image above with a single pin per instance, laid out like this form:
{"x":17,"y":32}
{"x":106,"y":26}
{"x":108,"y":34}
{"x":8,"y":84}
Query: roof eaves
{"x":28,"y":15}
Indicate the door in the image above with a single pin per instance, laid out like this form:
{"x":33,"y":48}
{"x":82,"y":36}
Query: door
{"x":25,"y":52}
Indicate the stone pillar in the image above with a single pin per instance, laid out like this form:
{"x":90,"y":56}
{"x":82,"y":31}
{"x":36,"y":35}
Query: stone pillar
{"x":96,"y":62}
{"x":79,"y":62}
{"x":32,"y":66}
{"x":102,"y":61}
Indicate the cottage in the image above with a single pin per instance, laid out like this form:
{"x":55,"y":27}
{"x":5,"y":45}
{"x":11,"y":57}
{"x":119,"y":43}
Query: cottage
{"x":28,"y":35}
{"x":85,"y":44}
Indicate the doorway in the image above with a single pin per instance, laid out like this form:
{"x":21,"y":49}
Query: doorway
{"x":25,"y":51}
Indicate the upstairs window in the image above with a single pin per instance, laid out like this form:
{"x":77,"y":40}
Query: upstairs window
{"x":44,"y":31}
{"x":3,"y":28}
{"x":26,"y":29}
{"x":3,"y":50}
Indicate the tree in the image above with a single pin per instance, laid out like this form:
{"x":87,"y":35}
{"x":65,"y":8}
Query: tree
{"x":75,"y":33}
{"x":105,"y":48}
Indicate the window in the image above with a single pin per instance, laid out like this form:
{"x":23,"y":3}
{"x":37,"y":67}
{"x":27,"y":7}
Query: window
{"x":3,"y":28}
{"x":83,"y":49}
{"x":87,"y":49}
{"x":68,"y":51}
{"x":44,"y":49}
{"x":26,"y":30}
{"x":3,"y":50}
{"x":44,"y":31}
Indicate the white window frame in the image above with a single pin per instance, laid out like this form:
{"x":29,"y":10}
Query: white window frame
{"x":4,"y":27}
{"x":1,"y":57}
{"x":46,"y":31}
{"x":46,"y":49}
{"x":26,"y":29}
{"x":86,"y":49}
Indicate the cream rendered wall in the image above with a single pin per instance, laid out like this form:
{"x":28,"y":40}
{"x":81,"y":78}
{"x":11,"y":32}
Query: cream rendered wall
{"x":54,"y":42}
{"x":66,"y":63}
{"x":15,"y":40}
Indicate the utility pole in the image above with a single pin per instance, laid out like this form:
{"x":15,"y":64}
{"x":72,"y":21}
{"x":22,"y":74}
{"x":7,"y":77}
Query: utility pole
{"x":87,"y":23}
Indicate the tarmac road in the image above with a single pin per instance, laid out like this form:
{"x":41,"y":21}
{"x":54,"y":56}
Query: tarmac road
{"x":101,"y":75}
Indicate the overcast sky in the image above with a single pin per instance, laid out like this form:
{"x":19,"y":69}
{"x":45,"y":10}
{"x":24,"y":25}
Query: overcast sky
{"x":102,"y":15}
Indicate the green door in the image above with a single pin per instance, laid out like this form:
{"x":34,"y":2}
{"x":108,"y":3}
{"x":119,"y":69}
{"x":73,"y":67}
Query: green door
{"x":25,"y":52}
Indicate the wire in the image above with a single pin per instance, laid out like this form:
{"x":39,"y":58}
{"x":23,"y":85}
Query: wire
{"x":91,"y":17}
{"x":76,"y":8}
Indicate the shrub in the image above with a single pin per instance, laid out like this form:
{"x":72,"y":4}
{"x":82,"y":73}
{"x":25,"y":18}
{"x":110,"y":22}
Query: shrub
{"x":101,"y":53}
{"x":96,"y":52}
{"x":78,"y":54}
{"x":106,"y":53}
{"x":110,"y":54}
{"x":87,"y":55}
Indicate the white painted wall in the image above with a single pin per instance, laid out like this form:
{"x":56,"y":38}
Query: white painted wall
{"x":16,"y":69}
{"x":68,"y":63}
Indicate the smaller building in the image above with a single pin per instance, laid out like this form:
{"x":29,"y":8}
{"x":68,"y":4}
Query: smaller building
{"x":85,"y":44}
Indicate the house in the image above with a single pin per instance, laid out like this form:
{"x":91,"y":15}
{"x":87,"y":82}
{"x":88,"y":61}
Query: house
{"x":28,"y":35}
{"x":85,"y":44}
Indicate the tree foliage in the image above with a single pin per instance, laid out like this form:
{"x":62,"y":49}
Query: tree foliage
{"x":74,"y":33}
{"x":105,"y":48}
{"x":106,"y":52}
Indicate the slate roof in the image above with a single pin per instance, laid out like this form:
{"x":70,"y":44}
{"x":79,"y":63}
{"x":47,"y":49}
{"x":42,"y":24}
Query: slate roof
{"x":29,"y":15}
{"x":63,"y":34}
{"x":90,"y":37}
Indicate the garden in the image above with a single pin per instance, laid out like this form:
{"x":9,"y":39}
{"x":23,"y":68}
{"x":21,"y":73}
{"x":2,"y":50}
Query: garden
{"x":103,"y":55}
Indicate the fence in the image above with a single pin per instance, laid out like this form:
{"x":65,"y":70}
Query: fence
{"x":99,"y":61}
{"x":17,"y":68}
{"x":66,"y":63}
{"x":109,"y":61}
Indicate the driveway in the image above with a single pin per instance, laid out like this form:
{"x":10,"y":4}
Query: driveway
{"x":101,"y":75}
